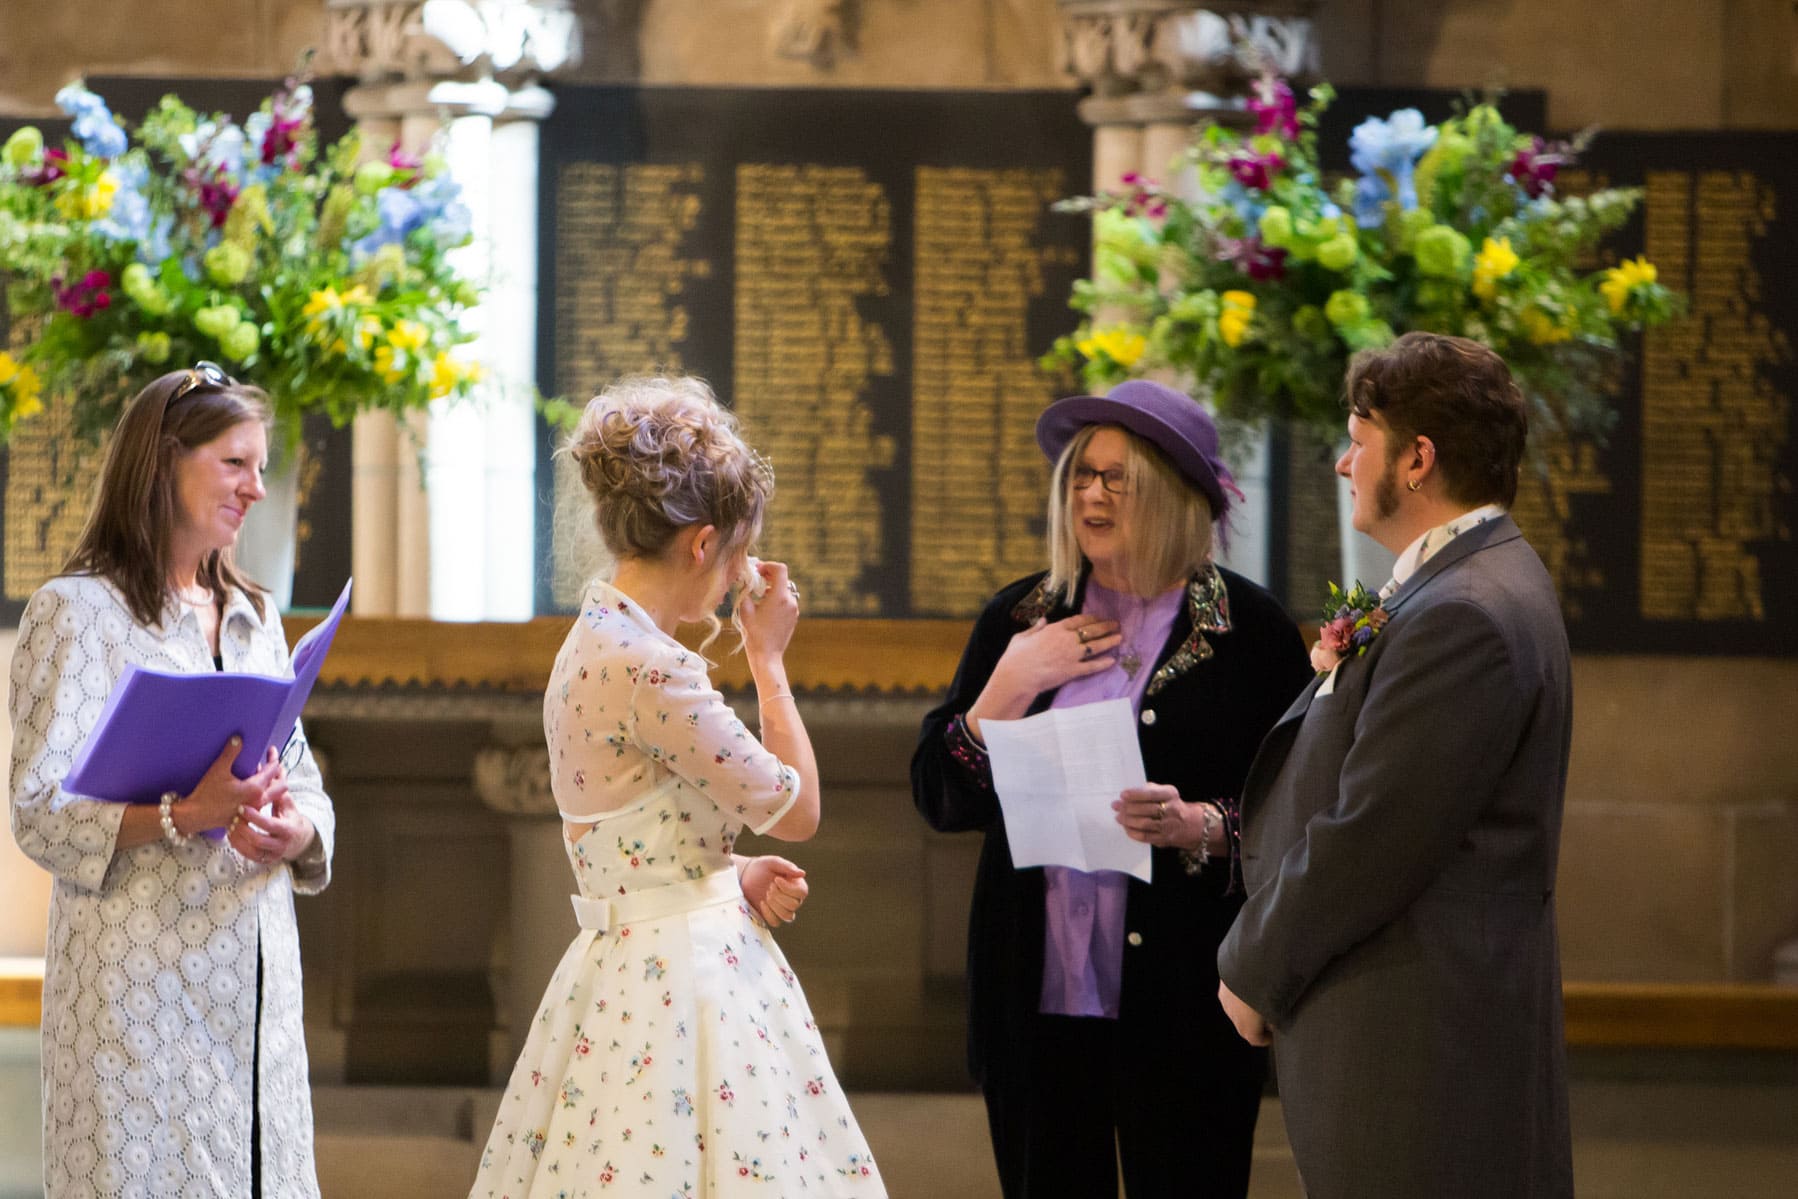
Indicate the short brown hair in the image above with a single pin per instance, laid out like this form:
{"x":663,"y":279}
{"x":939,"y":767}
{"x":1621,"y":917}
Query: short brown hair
{"x":1460,"y":395}
{"x":129,"y":535}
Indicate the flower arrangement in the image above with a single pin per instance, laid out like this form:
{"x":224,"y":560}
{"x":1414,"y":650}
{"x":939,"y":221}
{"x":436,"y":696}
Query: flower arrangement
{"x":1260,"y":289}
{"x":1352,"y":619}
{"x":323,"y":280}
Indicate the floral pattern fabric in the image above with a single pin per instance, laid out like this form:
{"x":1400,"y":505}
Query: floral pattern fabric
{"x":671,"y":1056}
{"x":150,"y":963}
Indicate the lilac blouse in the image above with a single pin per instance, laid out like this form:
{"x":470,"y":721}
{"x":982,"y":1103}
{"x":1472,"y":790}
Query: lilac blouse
{"x":1083,"y":933}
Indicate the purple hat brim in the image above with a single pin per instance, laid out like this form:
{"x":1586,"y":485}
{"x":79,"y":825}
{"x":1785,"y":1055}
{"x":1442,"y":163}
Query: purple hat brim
{"x":1060,"y":421}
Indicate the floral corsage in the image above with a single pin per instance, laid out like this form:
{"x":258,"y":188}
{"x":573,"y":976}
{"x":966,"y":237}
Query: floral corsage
{"x":1351,"y":621}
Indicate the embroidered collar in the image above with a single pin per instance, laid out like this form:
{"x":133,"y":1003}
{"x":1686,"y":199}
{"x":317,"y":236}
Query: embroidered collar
{"x":1207,"y":606}
{"x":1431,"y":542}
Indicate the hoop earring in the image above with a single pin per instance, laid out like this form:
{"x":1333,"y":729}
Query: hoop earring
{"x":1414,"y":485}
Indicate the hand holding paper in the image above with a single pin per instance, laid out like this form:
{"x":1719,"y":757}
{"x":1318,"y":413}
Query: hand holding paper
{"x":1056,"y":774}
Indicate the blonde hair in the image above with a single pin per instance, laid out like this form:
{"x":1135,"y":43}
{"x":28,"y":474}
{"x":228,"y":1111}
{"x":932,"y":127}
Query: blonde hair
{"x":1168,"y":525}
{"x":659,"y":454}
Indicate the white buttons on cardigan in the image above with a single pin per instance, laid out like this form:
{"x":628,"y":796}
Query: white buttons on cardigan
{"x":1148,"y":715}
{"x":1134,"y":939}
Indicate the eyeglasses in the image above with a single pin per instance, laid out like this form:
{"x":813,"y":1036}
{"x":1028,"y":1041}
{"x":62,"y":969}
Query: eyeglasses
{"x":1112,"y":480}
{"x":202,"y":374}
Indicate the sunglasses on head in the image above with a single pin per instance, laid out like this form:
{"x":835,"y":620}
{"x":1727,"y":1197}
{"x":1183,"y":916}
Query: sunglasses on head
{"x":202,"y":374}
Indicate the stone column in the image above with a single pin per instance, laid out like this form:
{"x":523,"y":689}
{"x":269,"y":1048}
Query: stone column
{"x":1157,"y":67}
{"x":461,"y":76}
{"x":514,"y":781}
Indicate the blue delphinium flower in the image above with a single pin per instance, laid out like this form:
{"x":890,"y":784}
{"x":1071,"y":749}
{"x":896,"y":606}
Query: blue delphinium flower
{"x":129,"y":217}
{"x":435,"y":203}
{"x":95,"y":127}
{"x":1386,"y":154}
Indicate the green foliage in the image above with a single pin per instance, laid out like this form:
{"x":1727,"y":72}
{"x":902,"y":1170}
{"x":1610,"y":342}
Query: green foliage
{"x":195,"y":238}
{"x":1258,"y":291}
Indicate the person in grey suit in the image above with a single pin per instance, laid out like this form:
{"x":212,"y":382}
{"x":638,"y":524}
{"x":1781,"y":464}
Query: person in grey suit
{"x":1402,"y":822}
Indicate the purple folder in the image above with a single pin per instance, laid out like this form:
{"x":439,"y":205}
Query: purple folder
{"x":160,"y":732}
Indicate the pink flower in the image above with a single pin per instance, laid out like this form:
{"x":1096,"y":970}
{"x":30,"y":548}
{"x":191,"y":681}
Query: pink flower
{"x":1255,"y":170}
{"x":1252,"y":258}
{"x":1323,"y":659}
{"x":217,"y":193}
{"x":55,"y":167}
{"x":1337,"y":634}
{"x":84,"y":297}
{"x":1274,"y":107}
{"x":280,"y":142}
{"x":1534,"y":167}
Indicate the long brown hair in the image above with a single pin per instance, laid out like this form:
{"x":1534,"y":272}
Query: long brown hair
{"x":129,"y":535}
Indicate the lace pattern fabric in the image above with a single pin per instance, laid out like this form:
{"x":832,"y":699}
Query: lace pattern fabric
{"x":150,"y":961}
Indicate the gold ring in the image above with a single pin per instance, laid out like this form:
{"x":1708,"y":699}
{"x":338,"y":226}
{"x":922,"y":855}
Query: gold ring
{"x":1081,"y":633}
{"x":1160,"y":810}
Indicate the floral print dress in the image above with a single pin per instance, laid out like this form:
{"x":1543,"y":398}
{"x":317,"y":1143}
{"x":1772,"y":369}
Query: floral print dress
{"x":674,"y":1053}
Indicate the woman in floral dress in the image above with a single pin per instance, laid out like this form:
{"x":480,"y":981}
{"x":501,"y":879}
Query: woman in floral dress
{"x":674,"y":1053}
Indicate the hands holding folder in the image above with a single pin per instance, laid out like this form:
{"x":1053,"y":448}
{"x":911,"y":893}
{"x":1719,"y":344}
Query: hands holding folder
{"x":216,"y":740}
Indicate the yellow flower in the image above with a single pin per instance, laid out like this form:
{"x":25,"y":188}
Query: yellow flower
{"x":26,"y":389}
{"x":325,"y":299}
{"x":367,"y":329}
{"x":1238,"y":312}
{"x":408,"y":335}
{"x":1542,"y":329}
{"x":384,"y":366}
{"x":358,"y":295}
{"x":1120,"y":345}
{"x":1495,"y":260}
{"x":445,"y":374}
{"x":1623,"y":279}
{"x":23,"y":383}
{"x":90,"y":204}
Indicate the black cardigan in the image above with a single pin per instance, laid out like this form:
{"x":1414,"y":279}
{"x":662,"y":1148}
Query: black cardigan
{"x":1199,"y":731}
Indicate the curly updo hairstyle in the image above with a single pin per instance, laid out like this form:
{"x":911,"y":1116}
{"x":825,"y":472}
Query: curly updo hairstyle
{"x":659,"y":454}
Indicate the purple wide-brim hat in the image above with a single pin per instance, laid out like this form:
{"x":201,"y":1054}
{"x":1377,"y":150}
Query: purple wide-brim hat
{"x":1174,"y":423}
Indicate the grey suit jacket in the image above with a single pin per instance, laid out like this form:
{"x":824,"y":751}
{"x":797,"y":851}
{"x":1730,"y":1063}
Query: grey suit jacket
{"x":1399,"y":848}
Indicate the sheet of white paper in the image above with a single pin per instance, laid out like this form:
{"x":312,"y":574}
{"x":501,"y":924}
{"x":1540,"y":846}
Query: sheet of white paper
{"x":1057,"y":774}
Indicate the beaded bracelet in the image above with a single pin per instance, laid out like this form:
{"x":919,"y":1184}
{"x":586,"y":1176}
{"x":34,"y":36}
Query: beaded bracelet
{"x":170,"y":833}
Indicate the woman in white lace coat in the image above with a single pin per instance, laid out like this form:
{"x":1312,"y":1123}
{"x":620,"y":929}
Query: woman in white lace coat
{"x":173,"y":1053}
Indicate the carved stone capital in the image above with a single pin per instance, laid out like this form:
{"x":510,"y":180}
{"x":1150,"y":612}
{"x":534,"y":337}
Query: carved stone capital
{"x":511,"y":41}
{"x":514,"y":780}
{"x":817,"y":31}
{"x":1160,"y":60}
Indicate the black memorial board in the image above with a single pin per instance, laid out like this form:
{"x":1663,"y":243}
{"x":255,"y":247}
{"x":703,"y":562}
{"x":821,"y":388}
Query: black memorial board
{"x":866,"y":277}
{"x":1675,"y":536}
{"x":46,"y":476}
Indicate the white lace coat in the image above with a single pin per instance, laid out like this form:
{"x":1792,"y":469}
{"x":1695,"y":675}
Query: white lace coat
{"x":150,"y":963}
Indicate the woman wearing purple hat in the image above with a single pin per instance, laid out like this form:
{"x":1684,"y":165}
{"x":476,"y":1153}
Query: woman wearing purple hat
{"x":1094,"y":1027}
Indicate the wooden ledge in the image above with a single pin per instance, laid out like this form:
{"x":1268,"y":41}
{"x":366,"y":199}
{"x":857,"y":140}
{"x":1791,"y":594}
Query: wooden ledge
{"x":1599,"y":1015}
{"x":1682,"y":1015}
{"x":884,"y":656}
{"x":21,"y":992}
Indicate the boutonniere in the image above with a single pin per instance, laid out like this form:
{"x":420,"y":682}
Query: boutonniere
{"x":1351,"y":621}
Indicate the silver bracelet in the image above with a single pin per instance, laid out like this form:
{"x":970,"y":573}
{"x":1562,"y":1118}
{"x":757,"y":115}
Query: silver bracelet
{"x":170,"y":833}
{"x":1195,"y":860}
{"x":768,"y":699}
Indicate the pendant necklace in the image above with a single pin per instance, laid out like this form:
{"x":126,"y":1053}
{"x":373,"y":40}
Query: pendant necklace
{"x":1130,"y":658}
